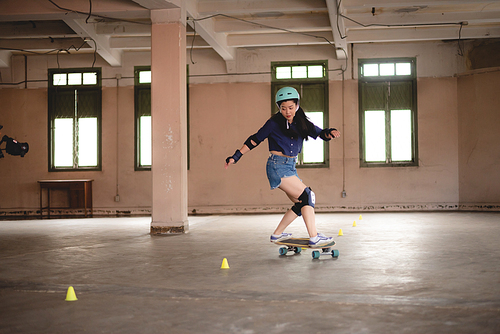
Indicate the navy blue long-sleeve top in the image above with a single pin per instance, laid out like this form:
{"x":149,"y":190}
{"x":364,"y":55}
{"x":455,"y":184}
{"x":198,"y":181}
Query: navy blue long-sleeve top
{"x":278,"y":141}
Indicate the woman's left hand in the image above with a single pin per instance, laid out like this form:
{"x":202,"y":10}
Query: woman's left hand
{"x":228,"y":162}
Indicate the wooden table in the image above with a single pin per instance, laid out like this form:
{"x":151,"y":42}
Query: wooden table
{"x":79,"y":194}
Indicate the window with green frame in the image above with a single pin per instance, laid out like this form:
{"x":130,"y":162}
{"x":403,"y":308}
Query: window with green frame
{"x":388,"y":112}
{"x":311,"y":81}
{"x":142,"y":91}
{"x":74,"y":118}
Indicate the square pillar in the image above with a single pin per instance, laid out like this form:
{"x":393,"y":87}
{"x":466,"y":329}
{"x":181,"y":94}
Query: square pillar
{"x":169,"y":121}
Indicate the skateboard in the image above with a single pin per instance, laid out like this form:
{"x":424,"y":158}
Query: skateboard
{"x":297,"y":244}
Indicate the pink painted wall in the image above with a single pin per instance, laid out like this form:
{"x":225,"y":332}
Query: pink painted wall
{"x":24,"y":117}
{"x":224,"y":115}
{"x":457,"y":138}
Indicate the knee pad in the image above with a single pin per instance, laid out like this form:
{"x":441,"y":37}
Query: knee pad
{"x":308,"y":197}
{"x":296,"y":209}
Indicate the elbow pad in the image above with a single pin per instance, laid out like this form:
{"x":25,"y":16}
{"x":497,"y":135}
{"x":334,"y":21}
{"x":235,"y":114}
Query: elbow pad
{"x":250,"y":142}
{"x":324,"y":132}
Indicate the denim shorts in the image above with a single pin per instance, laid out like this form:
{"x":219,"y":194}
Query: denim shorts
{"x":279,"y":167}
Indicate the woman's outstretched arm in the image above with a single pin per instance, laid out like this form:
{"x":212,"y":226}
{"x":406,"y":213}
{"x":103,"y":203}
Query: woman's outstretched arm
{"x":236,"y":156}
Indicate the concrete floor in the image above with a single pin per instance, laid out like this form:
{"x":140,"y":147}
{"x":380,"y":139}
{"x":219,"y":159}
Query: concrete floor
{"x":397,"y":273}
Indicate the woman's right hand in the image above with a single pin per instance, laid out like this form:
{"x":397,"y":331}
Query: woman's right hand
{"x":229,"y":161}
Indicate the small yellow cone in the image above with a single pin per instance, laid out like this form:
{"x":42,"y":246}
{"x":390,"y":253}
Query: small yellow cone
{"x":340,"y":232}
{"x":360,"y":217}
{"x":354,"y":224}
{"x":71,"y":296}
{"x":225,"y":265}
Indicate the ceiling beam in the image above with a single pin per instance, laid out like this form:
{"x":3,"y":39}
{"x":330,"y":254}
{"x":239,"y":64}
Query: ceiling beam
{"x":28,"y":29}
{"x":338,"y":29}
{"x":421,"y":34}
{"x":122,"y":29}
{"x":257,"y":7}
{"x":26,"y":10}
{"x":144,"y":43}
{"x":45,"y":44}
{"x":157,"y":4}
{"x":313,"y":22}
{"x":421,"y":18}
{"x":357,"y":4}
{"x":205,"y":28}
{"x":84,"y":30}
{"x":279,"y":39}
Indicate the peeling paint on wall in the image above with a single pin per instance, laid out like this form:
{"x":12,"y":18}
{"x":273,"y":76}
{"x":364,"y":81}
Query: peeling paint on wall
{"x":168,"y":142}
{"x":484,"y":54}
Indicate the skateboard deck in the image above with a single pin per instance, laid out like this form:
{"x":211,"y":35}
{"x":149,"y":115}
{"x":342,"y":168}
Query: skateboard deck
{"x":297,"y":244}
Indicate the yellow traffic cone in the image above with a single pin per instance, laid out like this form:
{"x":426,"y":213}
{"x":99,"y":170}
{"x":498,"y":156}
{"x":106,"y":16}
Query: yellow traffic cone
{"x":70,"y":295}
{"x":225,"y":265}
{"x":360,"y":217}
{"x":340,"y":232}
{"x":354,"y":224}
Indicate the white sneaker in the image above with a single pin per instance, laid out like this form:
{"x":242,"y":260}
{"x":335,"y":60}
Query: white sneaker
{"x":283,"y":236}
{"x":320,"y":240}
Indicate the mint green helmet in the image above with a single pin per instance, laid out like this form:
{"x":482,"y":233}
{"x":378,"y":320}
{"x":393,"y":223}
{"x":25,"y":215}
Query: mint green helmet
{"x":287,"y":93}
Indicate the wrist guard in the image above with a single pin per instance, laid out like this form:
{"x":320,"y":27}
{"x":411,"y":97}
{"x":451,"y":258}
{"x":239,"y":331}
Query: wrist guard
{"x":236,"y":156}
{"x":324,"y":132}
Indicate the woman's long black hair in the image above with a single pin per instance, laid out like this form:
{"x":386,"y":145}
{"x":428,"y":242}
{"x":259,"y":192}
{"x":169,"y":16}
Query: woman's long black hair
{"x":304,"y":125}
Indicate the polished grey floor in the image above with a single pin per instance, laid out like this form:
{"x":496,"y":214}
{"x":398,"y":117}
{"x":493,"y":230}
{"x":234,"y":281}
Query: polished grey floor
{"x":396,"y":273}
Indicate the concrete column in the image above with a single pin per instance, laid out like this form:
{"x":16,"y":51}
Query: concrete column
{"x":169,"y":121}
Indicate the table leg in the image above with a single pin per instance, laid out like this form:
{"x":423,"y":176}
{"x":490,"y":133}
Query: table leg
{"x":48,"y":202}
{"x":41,"y":202}
{"x":85,"y":197}
{"x":91,"y":200}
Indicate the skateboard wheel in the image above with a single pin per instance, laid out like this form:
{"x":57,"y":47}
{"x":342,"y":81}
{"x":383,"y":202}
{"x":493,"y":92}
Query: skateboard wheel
{"x":297,"y":250}
{"x":335,"y":253}
{"x":316,"y":254}
{"x":283,"y":250}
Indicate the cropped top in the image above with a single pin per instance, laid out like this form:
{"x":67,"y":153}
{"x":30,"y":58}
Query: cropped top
{"x":279,"y":141}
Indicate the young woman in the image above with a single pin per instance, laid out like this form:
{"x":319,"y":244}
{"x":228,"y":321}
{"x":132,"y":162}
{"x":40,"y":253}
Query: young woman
{"x":285,"y":132}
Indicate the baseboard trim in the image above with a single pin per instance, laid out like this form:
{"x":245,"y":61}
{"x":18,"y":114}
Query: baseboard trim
{"x":33,"y":213}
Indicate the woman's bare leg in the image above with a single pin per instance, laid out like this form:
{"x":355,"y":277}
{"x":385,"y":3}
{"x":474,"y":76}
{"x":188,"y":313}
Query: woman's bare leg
{"x":287,"y":219}
{"x":310,"y":219}
{"x":294,"y":187}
